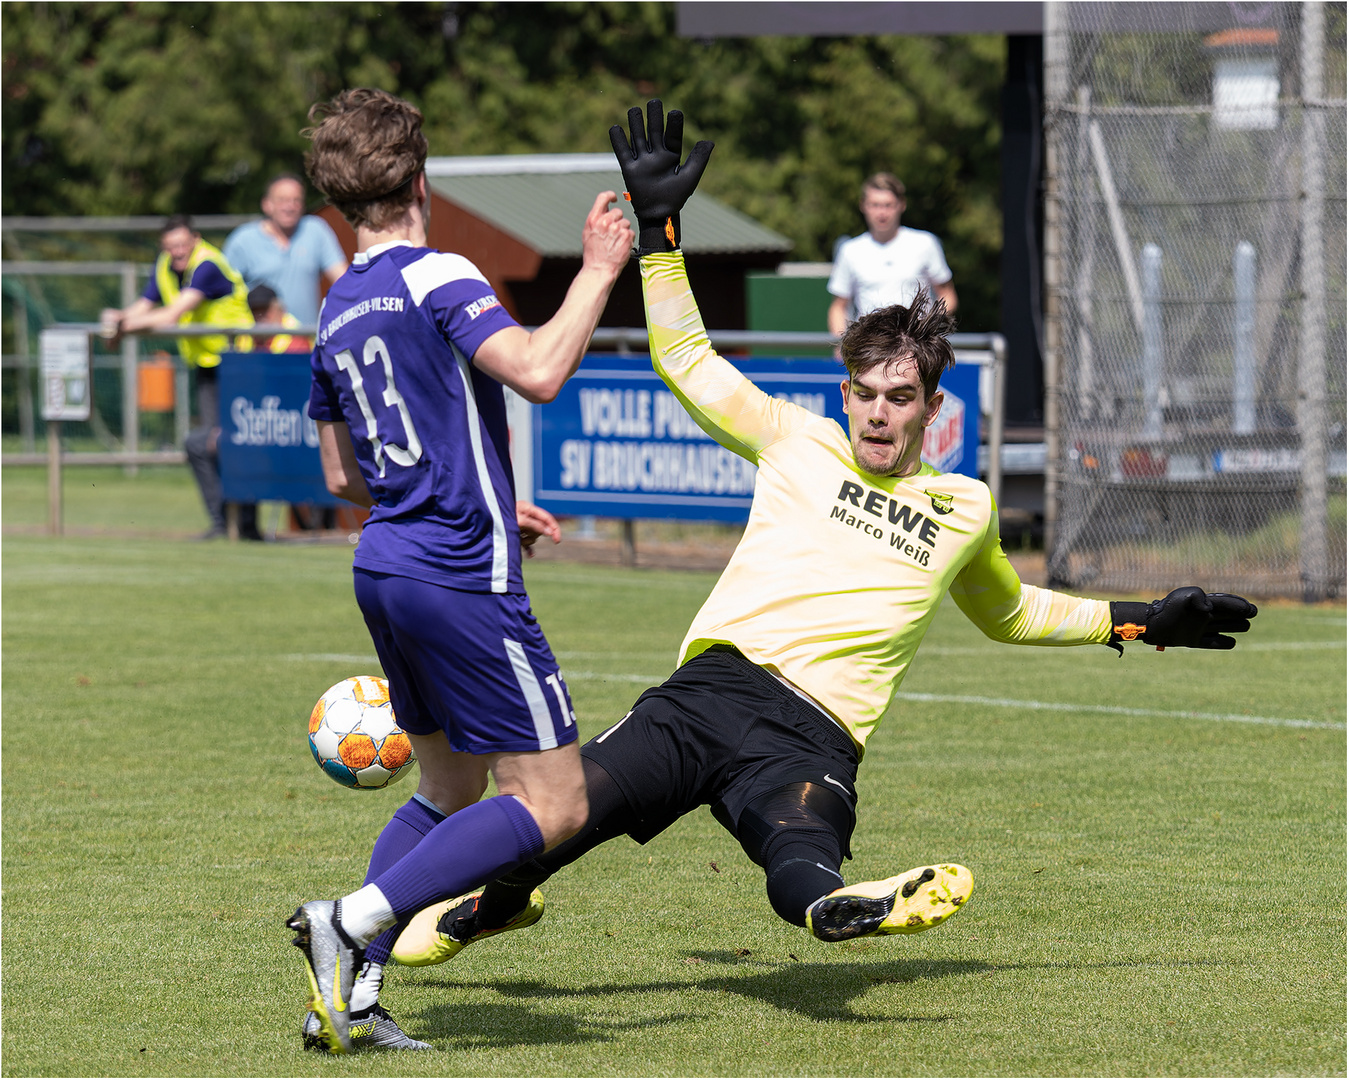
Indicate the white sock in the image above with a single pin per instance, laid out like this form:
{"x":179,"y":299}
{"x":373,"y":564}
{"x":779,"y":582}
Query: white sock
{"x":365,"y":914}
{"x":366,"y":991}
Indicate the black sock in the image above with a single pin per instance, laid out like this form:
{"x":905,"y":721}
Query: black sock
{"x":797,"y":877}
{"x":508,"y":896}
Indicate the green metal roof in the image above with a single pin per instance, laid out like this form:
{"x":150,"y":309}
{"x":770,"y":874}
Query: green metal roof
{"x":542,"y":200}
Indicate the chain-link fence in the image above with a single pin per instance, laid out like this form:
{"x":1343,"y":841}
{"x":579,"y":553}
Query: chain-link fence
{"x":66,"y":270}
{"x":37,"y":295}
{"x":1196,"y":227}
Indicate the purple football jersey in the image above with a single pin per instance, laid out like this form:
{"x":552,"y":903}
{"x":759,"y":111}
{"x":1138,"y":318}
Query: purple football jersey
{"x":393,"y":360}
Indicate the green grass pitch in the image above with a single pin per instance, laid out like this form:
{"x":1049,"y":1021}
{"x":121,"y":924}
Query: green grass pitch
{"x":1158,"y":841}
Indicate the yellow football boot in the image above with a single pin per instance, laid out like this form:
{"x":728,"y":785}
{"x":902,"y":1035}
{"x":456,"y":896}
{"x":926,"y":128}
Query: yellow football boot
{"x":437,"y":933}
{"x":906,"y":904}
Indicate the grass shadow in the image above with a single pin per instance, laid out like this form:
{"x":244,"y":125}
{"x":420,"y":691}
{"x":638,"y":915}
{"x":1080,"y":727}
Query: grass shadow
{"x":818,"y":992}
{"x":502,"y":1025}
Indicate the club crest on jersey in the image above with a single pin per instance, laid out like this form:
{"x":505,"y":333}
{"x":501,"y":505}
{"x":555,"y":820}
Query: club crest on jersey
{"x":487,"y":303}
{"x":941,"y":502}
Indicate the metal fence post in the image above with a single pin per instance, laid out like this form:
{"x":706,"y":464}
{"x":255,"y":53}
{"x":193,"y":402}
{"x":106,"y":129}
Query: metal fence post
{"x":27,"y":428}
{"x":1152,"y":341}
{"x":55,"y":525}
{"x":1055,"y":77}
{"x":1243,"y":339}
{"x":996,"y":408}
{"x":131,"y":419}
{"x":627,"y":548}
{"x":1313,"y":556}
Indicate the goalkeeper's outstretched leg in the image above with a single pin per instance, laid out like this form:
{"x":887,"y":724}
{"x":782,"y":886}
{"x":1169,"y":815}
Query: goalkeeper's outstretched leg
{"x":800,"y":832}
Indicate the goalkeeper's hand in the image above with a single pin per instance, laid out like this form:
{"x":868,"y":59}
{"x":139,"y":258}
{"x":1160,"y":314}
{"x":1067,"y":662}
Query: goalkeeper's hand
{"x":1187,"y":617}
{"x":658,"y":187}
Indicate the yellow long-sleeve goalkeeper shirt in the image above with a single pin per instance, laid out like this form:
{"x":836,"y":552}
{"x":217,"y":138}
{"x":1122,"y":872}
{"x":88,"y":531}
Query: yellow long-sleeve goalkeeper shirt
{"x":839,"y":573}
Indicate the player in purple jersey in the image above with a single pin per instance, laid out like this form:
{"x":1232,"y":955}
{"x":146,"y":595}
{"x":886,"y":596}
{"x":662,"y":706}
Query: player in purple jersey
{"x":412,"y":351}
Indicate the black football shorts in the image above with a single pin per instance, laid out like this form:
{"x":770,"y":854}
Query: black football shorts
{"x":720,"y":732}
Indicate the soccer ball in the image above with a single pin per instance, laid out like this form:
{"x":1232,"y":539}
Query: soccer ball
{"x":354,"y":737}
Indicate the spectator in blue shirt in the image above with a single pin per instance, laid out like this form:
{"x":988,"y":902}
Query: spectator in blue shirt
{"x":288,"y":250}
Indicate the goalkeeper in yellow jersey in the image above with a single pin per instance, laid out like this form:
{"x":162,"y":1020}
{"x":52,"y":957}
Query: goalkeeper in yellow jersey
{"x":851,"y":544}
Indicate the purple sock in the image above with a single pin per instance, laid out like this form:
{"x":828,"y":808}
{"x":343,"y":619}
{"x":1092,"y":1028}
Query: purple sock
{"x":465,"y":850}
{"x":406,"y":829}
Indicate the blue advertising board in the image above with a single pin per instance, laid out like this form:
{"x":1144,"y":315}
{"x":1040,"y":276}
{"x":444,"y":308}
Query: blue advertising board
{"x":268,"y":445}
{"x":617,"y":443}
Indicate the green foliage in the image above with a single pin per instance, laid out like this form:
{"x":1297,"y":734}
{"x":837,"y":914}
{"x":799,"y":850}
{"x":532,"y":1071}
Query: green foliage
{"x":150,"y":108}
{"x":146,"y":108}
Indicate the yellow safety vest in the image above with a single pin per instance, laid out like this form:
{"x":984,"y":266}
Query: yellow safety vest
{"x":231,"y":310}
{"x":282,"y":342}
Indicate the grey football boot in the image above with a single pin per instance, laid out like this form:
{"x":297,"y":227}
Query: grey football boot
{"x":332,"y":961}
{"x":372,"y":1029}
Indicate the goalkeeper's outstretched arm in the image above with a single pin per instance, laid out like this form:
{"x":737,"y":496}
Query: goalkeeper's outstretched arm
{"x":991,"y":595}
{"x":724,"y":403}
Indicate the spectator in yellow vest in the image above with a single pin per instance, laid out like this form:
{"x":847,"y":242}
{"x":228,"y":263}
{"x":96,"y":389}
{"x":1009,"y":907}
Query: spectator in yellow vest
{"x":193,"y":284}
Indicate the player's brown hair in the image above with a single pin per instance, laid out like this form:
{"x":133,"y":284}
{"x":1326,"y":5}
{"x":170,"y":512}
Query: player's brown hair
{"x":368,"y":147}
{"x":891,"y":334}
{"x":883,"y":181}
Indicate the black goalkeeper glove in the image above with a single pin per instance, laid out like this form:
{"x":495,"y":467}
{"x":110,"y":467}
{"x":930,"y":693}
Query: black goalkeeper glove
{"x":1187,"y":617}
{"x":658,"y":187}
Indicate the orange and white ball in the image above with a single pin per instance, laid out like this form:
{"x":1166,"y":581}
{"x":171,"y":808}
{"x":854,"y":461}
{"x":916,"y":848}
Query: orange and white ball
{"x":354,"y":737}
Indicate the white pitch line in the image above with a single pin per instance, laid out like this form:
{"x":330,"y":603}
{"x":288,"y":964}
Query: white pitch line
{"x":333,"y":658}
{"x":605,"y":676}
{"x":1121,"y":710}
{"x":666,"y":654}
{"x":955,"y":699}
{"x":1011,"y":703}
{"x":1274,"y":646}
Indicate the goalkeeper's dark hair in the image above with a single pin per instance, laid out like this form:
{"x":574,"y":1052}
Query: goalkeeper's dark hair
{"x":368,"y":148}
{"x":893,"y":334}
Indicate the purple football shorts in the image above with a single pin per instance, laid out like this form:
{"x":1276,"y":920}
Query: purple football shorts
{"x":475,"y":665}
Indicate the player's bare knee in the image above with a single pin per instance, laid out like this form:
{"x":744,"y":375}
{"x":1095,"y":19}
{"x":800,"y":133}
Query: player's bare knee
{"x":561,"y":818}
{"x":449,"y":779}
{"x":575,"y":819}
{"x":451,"y":793}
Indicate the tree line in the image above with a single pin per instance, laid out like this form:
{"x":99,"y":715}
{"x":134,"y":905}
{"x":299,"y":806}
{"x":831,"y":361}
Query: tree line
{"x":148,"y":108}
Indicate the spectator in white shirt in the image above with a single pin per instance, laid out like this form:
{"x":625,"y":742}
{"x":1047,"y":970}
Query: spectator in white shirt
{"x":889,"y":263}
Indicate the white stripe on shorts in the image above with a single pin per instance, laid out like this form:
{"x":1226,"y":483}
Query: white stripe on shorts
{"x":614,"y":728}
{"x":533,"y":692}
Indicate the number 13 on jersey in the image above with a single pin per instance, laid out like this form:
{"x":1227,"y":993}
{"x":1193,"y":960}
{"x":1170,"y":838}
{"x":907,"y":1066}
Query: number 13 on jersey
{"x":375,"y":349}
